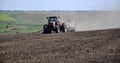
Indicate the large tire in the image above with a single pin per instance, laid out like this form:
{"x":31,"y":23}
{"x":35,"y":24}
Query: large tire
{"x":57,"y":29}
{"x":46,"y":29}
{"x":63,"y":28}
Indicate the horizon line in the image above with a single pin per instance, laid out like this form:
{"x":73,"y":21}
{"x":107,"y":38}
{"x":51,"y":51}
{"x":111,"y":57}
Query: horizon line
{"x":59,"y":10}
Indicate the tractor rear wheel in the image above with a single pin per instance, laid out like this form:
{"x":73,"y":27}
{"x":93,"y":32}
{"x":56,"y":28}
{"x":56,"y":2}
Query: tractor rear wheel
{"x":46,"y":29}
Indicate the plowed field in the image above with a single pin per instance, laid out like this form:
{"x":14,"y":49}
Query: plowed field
{"x":100,"y":46}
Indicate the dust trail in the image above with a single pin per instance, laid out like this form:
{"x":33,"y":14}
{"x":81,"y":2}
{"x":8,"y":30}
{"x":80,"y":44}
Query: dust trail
{"x":83,"y":21}
{"x":101,"y":20}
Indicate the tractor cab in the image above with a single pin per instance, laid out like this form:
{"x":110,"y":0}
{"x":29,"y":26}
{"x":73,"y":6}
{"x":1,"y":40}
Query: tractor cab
{"x":52,"y":19}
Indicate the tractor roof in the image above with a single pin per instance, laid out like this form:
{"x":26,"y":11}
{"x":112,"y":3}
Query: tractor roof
{"x":54,"y":17}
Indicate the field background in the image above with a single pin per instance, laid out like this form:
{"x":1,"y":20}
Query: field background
{"x":27,"y":45}
{"x":14,"y":22}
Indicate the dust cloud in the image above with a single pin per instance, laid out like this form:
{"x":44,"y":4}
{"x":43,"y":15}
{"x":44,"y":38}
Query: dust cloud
{"x":83,"y":21}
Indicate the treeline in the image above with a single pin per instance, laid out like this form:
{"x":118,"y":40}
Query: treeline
{"x":39,"y":10}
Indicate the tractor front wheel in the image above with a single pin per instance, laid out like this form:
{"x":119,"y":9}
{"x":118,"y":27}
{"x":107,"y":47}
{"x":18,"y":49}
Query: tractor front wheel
{"x":63,"y":28}
{"x":57,"y":29}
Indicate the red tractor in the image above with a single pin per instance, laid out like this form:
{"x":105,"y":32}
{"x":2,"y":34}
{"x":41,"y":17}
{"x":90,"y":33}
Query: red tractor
{"x":54,"y":25}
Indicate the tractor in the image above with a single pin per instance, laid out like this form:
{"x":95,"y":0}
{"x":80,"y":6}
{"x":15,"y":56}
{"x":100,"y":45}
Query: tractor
{"x":54,"y":25}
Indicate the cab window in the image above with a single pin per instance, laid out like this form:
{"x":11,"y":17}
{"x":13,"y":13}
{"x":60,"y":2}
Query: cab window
{"x":53,"y":19}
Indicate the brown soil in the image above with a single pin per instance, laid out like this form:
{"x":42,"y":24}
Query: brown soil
{"x":102,"y":46}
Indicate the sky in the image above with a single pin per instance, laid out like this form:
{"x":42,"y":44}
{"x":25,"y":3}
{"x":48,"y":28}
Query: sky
{"x":59,"y":4}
